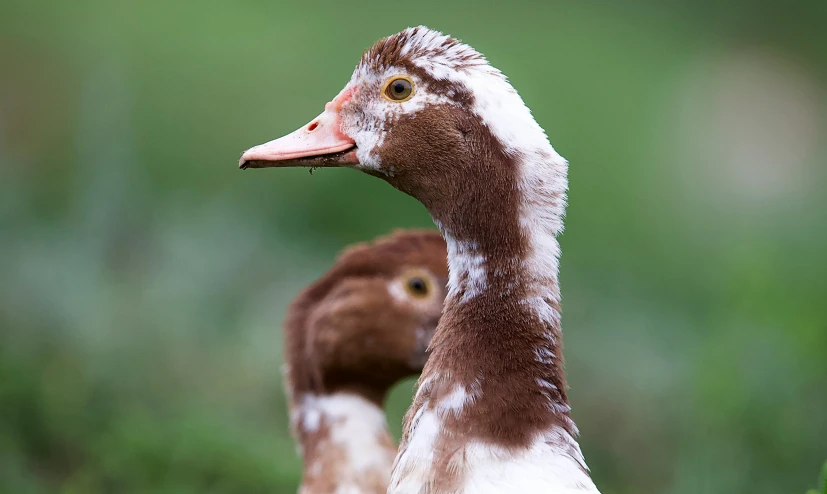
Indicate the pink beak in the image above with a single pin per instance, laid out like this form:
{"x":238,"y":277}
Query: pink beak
{"x":319,"y":143}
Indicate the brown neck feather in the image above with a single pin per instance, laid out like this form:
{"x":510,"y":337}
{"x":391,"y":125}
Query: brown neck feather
{"x":500,"y":332}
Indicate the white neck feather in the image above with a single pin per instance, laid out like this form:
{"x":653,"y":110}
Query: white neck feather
{"x":345,"y":444}
{"x":543,"y":185}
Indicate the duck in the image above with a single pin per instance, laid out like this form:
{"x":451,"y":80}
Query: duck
{"x":431,"y":116}
{"x":349,"y":337}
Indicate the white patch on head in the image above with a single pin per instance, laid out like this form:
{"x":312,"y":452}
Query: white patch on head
{"x":432,"y":44}
{"x":397,"y":291}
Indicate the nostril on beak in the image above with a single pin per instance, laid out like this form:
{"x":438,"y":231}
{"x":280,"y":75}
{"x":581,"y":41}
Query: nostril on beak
{"x":312,"y":126}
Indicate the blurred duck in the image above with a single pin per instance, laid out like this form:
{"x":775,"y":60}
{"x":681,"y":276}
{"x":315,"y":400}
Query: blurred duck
{"x":349,"y":337}
{"x":428,"y":114}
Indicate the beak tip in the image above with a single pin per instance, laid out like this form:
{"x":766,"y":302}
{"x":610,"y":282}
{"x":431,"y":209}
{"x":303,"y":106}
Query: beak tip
{"x":244,"y":160}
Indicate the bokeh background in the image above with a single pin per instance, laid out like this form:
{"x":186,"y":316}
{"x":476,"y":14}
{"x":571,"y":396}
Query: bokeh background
{"x":144,"y":278}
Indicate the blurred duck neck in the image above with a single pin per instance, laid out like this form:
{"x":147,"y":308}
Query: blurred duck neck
{"x":344,"y":443}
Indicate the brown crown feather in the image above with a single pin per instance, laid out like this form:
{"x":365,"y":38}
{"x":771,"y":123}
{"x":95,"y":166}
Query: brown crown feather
{"x":402,"y":48}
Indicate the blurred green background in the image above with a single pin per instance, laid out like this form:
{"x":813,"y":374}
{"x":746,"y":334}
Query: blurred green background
{"x":144,"y":277}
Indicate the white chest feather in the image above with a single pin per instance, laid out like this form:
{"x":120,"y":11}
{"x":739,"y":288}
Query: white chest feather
{"x":546,"y":467}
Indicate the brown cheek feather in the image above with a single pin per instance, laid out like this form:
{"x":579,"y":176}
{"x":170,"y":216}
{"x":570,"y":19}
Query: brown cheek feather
{"x":365,"y":338}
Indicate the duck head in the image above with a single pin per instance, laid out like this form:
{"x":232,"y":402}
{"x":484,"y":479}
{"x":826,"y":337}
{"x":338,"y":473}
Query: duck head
{"x":367,"y":322}
{"x":429,"y":115}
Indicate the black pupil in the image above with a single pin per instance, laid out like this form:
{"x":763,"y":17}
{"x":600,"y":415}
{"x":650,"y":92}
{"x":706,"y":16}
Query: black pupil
{"x":417,"y":285}
{"x":399,"y":88}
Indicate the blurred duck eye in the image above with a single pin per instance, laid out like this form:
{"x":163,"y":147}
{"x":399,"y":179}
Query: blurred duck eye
{"x":417,"y":286}
{"x":398,"y":89}
{"x":417,"y":283}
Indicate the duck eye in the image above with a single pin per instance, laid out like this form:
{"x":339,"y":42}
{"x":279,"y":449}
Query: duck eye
{"x":417,"y":286}
{"x":398,"y":89}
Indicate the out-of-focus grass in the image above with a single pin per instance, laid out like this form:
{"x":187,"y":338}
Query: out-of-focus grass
{"x":144,"y":278}
{"x":822,"y":482}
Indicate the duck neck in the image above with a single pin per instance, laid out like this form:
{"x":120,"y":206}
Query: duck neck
{"x":344,"y":443}
{"x":496,"y":358}
{"x":501,"y":340}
